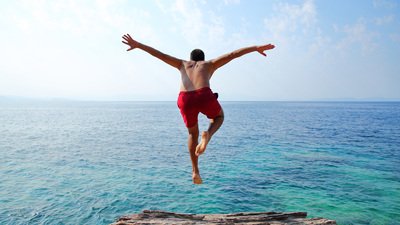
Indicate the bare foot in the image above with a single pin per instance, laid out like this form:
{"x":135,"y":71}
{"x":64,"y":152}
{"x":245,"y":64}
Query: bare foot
{"x":201,"y":147}
{"x":197,"y":179}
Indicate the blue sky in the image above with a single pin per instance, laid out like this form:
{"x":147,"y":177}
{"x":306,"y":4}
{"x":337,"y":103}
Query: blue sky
{"x":324,"y":49}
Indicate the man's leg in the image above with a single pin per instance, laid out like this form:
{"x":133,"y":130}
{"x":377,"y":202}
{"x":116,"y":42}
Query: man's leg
{"x":192,"y":143}
{"x":215,"y":124}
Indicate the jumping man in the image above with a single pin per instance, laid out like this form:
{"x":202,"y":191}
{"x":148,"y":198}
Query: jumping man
{"x":195,"y":94}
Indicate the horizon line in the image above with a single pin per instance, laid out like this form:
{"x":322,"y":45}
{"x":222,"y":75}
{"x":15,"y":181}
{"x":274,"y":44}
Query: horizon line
{"x":58,"y":99}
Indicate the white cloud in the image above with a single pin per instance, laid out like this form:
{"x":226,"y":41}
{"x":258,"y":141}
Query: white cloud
{"x":385,"y":4}
{"x":62,"y":15}
{"x":358,"y":34}
{"x":384,"y":20}
{"x":293,"y":27}
{"x":190,"y":19}
{"x":198,"y":27}
{"x":290,"y":17}
{"x":215,"y":28}
{"x":320,"y":46}
{"x":228,"y":2}
{"x":395,"y":38}
{"x":161,"y":6}
{"x":80,"y":18}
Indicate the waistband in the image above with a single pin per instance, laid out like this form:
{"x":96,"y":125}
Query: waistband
{"x":204,"y":89}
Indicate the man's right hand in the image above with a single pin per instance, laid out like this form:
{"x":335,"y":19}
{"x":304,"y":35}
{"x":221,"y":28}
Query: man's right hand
{"x":129,"y":41}
{"x":263,"y":48}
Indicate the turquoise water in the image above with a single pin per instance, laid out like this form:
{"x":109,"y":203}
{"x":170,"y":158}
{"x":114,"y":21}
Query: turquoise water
{"x":91,"y":162}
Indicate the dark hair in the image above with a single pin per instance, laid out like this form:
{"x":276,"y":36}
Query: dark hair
{"x":197,"y":55}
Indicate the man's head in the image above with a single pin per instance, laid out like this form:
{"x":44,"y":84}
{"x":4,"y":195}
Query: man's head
{"x":197,"y":55}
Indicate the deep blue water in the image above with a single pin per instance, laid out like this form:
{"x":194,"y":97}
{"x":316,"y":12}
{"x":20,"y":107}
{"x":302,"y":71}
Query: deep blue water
{"x":91,"y":162}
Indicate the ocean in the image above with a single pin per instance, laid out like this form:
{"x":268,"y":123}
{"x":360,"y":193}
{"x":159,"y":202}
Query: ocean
{"x":65,"y":162}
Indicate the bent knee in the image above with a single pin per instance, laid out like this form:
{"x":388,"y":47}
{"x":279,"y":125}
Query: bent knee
{"x":221,"y":113}
{"x":194,"y":135}
{"x":194,"y":131}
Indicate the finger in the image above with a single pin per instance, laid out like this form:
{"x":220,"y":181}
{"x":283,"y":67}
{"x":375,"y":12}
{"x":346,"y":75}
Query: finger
{"x":268,"y":46}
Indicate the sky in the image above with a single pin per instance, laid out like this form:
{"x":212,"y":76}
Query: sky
{"x":324,"y":50}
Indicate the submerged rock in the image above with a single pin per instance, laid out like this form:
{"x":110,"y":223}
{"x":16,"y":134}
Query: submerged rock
{"x":162,"y":217}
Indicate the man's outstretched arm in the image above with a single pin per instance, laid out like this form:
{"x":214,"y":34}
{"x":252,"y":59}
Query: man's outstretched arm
{"x":224,"y":59}
{"x":154,"y":52}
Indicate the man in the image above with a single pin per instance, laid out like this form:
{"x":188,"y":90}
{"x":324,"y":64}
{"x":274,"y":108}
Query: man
{"x":195,"y":94}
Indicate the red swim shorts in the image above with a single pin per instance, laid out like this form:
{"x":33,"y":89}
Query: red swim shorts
{"x":191,"y":103}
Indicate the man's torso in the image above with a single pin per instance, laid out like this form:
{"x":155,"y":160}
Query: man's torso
{"x":195,"y":75}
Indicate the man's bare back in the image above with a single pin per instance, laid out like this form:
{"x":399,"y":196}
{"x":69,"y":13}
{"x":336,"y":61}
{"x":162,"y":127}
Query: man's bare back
{"x":195,"y":75}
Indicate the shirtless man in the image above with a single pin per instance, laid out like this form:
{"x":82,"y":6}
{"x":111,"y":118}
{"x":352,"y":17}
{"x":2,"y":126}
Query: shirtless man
{"x":195,"y":94}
